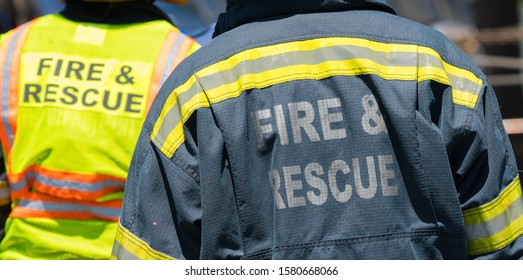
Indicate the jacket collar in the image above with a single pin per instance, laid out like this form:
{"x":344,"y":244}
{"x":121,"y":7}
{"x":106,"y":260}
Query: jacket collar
{"x":244,"y":11}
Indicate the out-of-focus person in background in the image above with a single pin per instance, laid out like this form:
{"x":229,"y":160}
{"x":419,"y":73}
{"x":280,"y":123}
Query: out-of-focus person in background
{"x":313,"y":129}
{"x":195,"y":18}
{"x":75,"y":87}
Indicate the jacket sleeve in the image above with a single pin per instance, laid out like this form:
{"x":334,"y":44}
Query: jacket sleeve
{"x":161,"y":209}
{"x":487,"y":182}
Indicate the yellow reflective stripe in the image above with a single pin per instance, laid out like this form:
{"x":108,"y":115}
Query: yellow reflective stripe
{"x":127,"y":243}
{"x":464,"y":98}
{"x":496,"y":224}
{"x":497,"y":241}
{"x":492,"y":209}
{"x":312,"y":59}
{"x":304,"y":46}
{"x":441,"y":73}
{"x":198,"y":101}
{"x":451,"y":69}
{"x":171,"y":101}
{"x":172,"y":140}
{"x":310,"y":72}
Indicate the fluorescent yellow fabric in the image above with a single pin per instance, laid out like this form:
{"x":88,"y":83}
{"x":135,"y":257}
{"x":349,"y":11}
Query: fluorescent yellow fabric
{"x":82,"y":98}
{"x":492,"y":226}
{"x":57,"y":239}
{"x":50,"y":79}
{"x":128,"y":245}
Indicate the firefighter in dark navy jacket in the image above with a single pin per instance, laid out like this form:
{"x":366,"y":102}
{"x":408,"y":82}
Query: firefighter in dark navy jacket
{"x":312,"y":129}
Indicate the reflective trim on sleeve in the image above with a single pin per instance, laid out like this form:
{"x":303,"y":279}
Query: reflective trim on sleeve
{"x":129,"y":247}
{"x":494,"y":225}
{"x":168,"y":134}
{"x":314,"y":59}
{"x":176,"y":47}
{"x":465,"y":85}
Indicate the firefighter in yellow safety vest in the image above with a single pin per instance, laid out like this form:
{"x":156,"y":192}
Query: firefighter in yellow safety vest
{"x":75,"y":88}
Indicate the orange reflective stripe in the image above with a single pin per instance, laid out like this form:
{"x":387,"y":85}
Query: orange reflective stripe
{"x":44,"y":206}
{"x":63,"y":184}
{"x":68,"y":193}
{"x":161,"y":61}
{"x":15,"y":77}
{"x":183,"y":51}
{"x":4,"y":71}
{"x":9,"y":78}
{"x":64,"y":175}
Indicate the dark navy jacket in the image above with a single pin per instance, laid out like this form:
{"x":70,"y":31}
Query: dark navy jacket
{"x":323,"y":130}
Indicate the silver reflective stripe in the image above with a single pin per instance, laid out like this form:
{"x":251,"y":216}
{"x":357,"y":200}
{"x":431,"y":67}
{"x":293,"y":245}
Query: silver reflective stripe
{"x":172,"y":119}
{"x":304,"y":60}
{"x":64,"y":184}
{"x":267,"y":63}
{"x":458,"y":83}
{"x":310,"y":57}
{"x":171,"y":57}
{"x":6,"y":82}
{"x":497,"y":224}
{"x":396,"y":64}
{"x":69,"y":207}
{"x":120,"y":253}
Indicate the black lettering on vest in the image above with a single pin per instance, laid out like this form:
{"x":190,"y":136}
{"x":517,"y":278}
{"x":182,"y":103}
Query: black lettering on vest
{"x":32,"y":90}
{"x":131,"y":101}
{"x":95,"y":68}
{"x":71,"y":93}
{"x":58,"y":68}
{"x":106,"y":101}
{"x":42,"y":65}
{"x":50,"y":93}
{"x":84,"y":98}
{"x":76,"y":67}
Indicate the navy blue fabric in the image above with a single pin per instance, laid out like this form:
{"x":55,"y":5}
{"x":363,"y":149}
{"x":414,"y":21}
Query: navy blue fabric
{"x":444,"y":157}
{"x":240,"y":12}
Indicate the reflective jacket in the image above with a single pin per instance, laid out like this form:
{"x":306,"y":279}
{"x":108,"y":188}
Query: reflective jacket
{"x":349,"y":133}
{"x":73,"y":100}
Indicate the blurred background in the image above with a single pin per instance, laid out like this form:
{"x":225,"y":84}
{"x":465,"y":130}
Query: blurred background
{"x":196,"y":18}
{"x":490,"y":32}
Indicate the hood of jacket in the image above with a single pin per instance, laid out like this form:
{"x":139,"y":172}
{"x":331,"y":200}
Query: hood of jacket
{"x":239,"y":12}
{"x":118,"y":12}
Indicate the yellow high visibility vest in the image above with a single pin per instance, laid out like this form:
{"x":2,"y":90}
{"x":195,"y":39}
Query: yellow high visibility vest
{"x":73,"y":100}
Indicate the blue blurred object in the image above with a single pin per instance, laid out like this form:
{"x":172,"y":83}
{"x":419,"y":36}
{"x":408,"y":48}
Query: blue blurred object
{"x":49,"y":6}
{"x":196,"y":19}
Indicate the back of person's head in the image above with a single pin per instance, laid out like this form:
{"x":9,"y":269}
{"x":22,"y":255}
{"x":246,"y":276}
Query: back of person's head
{"x":178,"y":2}
{"x":116,"y":11}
